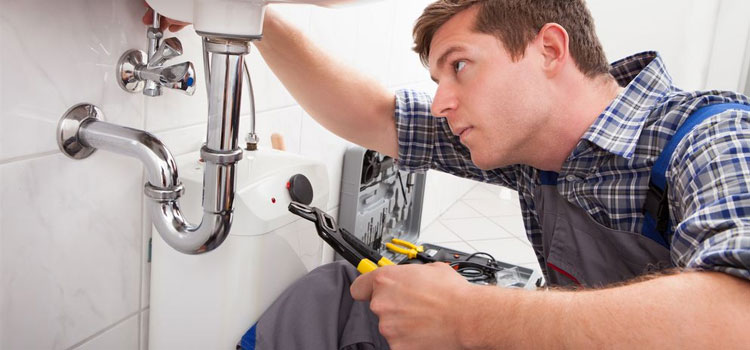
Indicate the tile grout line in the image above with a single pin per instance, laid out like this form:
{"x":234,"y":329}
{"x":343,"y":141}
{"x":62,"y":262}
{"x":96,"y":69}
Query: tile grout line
{"x":473,"y":244}
{"x":106,"y":329}
{"x":32,"y":156}
{"x":242,"y":115}
{"x":512,"y":236}
{"x":141,"y":259}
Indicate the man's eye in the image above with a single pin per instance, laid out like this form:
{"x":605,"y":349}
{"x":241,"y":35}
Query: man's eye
{"x":459,"y":65}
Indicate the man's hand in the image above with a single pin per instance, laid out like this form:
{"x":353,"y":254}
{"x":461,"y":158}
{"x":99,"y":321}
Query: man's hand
{"x":419,"y":306}
{"x":164,"y":22}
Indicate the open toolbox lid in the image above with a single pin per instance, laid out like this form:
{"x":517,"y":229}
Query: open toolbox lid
{"x":378,"y":201}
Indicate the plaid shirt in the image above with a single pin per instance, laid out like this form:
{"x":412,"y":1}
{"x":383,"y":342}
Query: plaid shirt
{"x":607,"y":174}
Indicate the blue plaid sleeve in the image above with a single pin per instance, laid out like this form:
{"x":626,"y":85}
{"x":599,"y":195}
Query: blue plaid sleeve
{"x":426,"y":142}
{"x":711,"y":190}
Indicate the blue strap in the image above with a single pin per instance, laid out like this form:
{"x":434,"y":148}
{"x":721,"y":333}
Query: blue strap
{"x":660,"y":167}
{"x":248,"y":340}
{"x":659,"y":170}
{"x":548,"y":178}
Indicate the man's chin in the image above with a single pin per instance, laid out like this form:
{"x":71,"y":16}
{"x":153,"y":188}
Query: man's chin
{"x":486,"y":164}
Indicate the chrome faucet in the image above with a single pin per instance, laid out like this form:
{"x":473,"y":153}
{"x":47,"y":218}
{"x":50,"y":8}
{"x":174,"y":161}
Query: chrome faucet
{"x":147,"y":73}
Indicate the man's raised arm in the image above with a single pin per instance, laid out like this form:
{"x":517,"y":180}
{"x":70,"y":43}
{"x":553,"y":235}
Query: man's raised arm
{"x":343,"y":100}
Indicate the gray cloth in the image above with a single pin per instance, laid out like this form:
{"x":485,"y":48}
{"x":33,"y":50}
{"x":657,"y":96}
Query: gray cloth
{"x":318,"y":313}
{"x":580,"y":251}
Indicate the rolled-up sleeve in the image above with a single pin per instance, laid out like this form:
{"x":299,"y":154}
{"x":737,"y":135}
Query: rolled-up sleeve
{"x":711,"y":192}
{"x":426,"y":142}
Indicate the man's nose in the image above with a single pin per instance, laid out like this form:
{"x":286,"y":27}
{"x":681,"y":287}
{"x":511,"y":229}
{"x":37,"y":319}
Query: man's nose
{"x":444,"y":101}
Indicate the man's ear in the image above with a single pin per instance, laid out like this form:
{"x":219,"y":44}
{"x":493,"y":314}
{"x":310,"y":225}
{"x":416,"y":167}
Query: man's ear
{"x":552,"y":41}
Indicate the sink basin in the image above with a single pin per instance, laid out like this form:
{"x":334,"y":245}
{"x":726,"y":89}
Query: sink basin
{"x":229,"y":18}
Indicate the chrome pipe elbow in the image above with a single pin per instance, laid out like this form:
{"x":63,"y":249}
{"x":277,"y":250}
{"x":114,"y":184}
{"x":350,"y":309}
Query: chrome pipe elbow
{"x":161,"y":168}
{"x":179,"y":234}
{"x":81,"y":132}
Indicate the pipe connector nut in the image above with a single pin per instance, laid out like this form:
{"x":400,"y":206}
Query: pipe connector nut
{"x":215,"y":157}
{"x":163,"y":194}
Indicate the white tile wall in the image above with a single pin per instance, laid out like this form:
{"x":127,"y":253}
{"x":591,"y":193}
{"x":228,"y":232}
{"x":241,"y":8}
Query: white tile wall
{"x":123,"y":336}
{"x":74,"y":235}
{"x":681,"y":30}
{"x":74,"y":271}
{"x":71,"y":248}
{"x":56,"y":54}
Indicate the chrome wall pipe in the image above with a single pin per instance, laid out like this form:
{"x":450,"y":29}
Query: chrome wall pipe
{"x":81,"y":131}
{"x":161,"y":169}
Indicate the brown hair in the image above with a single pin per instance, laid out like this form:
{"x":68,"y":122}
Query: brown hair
{"x":516,"y":23}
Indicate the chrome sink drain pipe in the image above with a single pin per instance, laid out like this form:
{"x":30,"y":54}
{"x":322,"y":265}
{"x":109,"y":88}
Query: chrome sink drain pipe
{"x":251,"y":138}
{"x":81,"y":131}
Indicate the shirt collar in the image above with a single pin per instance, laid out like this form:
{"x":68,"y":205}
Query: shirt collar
{"x":646,"y":82}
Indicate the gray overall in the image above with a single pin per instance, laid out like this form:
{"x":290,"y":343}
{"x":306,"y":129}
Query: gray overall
{"x":317,"y":313}
{"x":579,"y":251}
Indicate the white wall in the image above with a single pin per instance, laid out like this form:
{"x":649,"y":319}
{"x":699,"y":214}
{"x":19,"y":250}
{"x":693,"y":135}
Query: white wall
{"x":73,"y":236}
{"x":702,"y":42}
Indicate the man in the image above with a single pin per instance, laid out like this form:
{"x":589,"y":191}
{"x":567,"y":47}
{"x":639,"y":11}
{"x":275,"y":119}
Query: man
{"x":526,"y":99}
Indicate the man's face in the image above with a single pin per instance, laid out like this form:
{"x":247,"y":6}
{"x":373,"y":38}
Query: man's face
{"x":491,"y":102}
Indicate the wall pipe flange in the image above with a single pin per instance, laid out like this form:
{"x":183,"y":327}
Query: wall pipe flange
{"x":126,"y":70}
{"x":67,"y":130}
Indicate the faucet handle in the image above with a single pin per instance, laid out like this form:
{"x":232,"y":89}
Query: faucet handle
{"x":179,"y":77}
{"x":134,"y":73}
{"x":169,"y":48}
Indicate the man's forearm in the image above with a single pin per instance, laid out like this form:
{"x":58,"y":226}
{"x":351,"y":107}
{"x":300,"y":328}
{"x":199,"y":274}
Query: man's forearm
{"x":687,"y":310}
{"x":347,"y":102}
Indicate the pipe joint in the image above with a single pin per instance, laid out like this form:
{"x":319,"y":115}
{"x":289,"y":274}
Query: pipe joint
{"x":163,"y":194}
{"x":219,"y":157}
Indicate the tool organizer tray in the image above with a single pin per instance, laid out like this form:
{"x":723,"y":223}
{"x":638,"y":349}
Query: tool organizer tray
{"x":508,"y":275}
{"x":378,"y":201}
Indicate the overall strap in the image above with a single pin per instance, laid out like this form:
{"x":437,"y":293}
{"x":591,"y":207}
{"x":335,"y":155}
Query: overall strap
{"x":657,"y":225}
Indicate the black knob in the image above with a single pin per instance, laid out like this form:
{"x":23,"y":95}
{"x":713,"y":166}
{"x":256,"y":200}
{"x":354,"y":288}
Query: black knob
{"x":300,"y":189}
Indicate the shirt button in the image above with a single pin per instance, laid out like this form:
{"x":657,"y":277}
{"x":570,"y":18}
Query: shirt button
{"x":571,"y":178}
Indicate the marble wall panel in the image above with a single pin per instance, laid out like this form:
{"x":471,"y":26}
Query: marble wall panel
{"x":71,"y":248}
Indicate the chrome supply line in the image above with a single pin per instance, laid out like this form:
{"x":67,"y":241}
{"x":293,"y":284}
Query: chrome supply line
{"x":154,"y":35}
{"x":251,"y":139}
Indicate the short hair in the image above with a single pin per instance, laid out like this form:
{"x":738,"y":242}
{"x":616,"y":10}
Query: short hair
{"x":516,"y":23}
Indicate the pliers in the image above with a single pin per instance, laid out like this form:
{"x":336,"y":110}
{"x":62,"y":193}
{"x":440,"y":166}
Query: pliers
{"x":346,"y":244}
{"x":409,"y":249}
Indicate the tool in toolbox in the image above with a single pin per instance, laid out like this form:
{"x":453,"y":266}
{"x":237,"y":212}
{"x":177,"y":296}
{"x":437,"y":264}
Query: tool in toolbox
{"x":364,"y":258}
{"x":479,"y":268}
{"x":412,"y":251}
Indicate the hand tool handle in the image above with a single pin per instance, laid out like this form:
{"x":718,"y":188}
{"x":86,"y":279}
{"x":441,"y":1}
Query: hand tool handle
{"x":408,"y":244}
{"x":364,"y":249}
{"x":330,"y":233}
{"x":410,"y":253}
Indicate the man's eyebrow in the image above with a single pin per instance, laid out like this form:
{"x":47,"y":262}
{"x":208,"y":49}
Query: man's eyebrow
{"x":445,"y":54}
